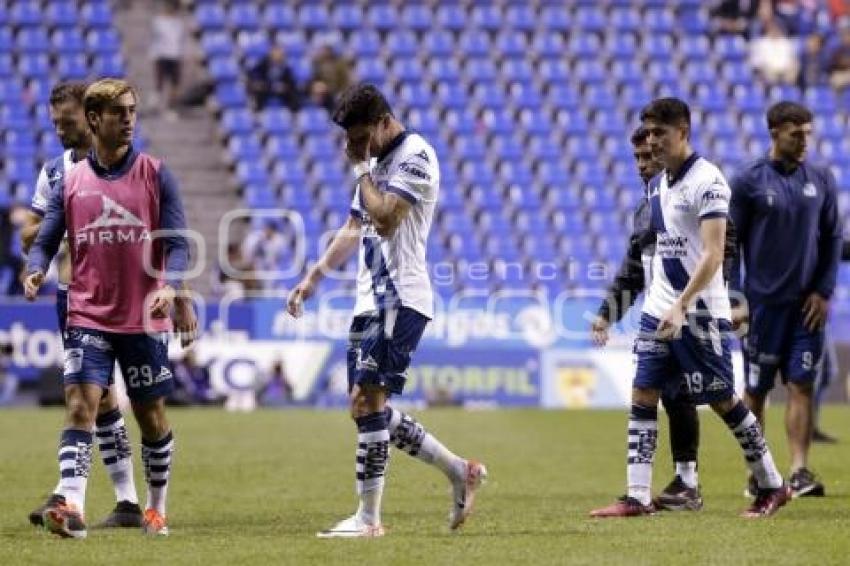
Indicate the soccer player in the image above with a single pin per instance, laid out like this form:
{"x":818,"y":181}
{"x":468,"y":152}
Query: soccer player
{"x":685,"y":325}
{"x":787,"y":214}
{"x":118,"y":307}
{"x":69,"y":121}
{"x":391,"y":215}
{"x":683,"y":492}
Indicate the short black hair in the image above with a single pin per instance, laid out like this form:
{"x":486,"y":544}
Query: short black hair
{"x":639,"y":136}
{"x":787,"y":111}
{"x":360,"y":104}
{"x":669,"y":111}
{"x":70,"y":91}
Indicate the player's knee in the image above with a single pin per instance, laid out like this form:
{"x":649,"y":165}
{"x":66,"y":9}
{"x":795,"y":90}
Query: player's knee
{"x":801,"y":390}
{"x":78,"y":412}
{"x":645,"y":397}
{"x":151,"y":418}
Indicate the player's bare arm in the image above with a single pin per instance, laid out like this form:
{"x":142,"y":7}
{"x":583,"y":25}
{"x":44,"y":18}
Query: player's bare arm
{"x":343,"y":245}
{"x":713,"y":235}
{"x":32,"y":222}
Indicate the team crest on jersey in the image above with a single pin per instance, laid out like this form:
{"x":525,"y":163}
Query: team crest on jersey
{"x":810,"y":190}
{"x":115,"y":225}
{"x":770,"y":195}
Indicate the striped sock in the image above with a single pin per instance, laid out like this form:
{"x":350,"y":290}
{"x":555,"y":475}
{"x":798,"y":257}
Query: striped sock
{"x":373,"y":443}
{"x":114,"y":445}
{"x":743,"y":423}
{"x":643,"y":437}
{"x":156,"y":458}
{"x":75,"y":448}
{"x":407,"y":434}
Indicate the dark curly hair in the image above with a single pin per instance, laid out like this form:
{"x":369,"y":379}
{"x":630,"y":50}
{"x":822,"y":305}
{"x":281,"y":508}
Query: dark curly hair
{"x":360,"y":104}
{"x":786,"y":111}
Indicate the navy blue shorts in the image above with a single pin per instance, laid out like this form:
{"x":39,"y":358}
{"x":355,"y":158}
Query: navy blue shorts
{"x":90,"y":356}
{"x":380,"y":346}
{"x":62,"y":312}
{"x":700,"y":360}
{"x":777,"y":341}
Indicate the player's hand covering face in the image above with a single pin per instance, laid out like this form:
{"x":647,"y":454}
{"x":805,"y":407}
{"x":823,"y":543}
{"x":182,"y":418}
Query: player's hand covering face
{"x":357,"y":142}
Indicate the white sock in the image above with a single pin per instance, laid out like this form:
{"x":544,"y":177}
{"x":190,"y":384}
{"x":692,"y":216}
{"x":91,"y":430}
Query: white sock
{"x":407,"y":434}
{"x":687,"y":471}
{"x":642,"y":440}
{"x":115,"y":451}
{"x":75,"y":448}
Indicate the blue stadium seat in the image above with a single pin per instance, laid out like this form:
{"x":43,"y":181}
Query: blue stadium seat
{"x":582,"y":148}
{"x":820,"y":99}
{"x":625,"y":19}
{"x":426,"y":121}
{"x":32,"y":40}
{"x":289,"y":172}
{"x":417,"y":17}
{"x":108,"y":65}
{"x":521,"y":17}
{"x":480,"y":69}
{"x":599,"y":97}
{"x":554,"y":71}
{"x":730,"y":48}
{"x":694,"y":48}
{"x":623,"y":46}
{"x":244,"y":17}
{"x":693,"y":21}
{"x":555,"y":18}
{"x":512,"y":45}
{"x":278,"y":16}
{"x":215,"y":43}
{"x":382,"y":17}
{"x":658,"y":21}
{"x":403,"y":44}
{"x":61,"y":14}
{"x":626,"y":72}
{"x":535,"y":124}
{"x":224,"y":68}
{"x":96,"y":15}
{"x":548,"y":45}
{"x":24,"y":13}
{"x":487,"y":17}
{"x":312,"y":121}
{"x":664,"y":71}
{"x":475,"y":43}
{"x":7,"y":67}
{"x":517,"y":70}
{"x":7,"y":41}
{"x":210,"y":16}
{"x":591,"y":19}
{"x":282,"y":147}
{"x":103,"y":41}
{"x":252,"y":173}
{"x":444,"y":70}
{"x":231,"y":95}
{"x":68,"y":40}
{"x":489,"y":95}
{"x":584,"y":45}
{"x":590,"y":71}
{"x":245,"y":148}
{"x":409,"y":69}
{"x":365,"y":43}
{"x":711,"y":98}
{"x":73,"y":67}
{"x":11,"y":93}
{"x":253,"y":44}
{"x":608,"y":124}
{"x":34,"y":66}
{"x":347,"y":17}
{"x":736,"y":73}
{"x":524,"y":96}
{"x":313,"y":17}
{"x":416,"y":95}
{"x":634,"y":97}
{"x":469,"y":148}
{"x":451,"y":17}
{"x":827,"y":128}
{"x":237,"y":121}
{"x":439,"y":44}
{"x":452,"y":95}
{"x":657,"y":47}
{"x":371,"y":70}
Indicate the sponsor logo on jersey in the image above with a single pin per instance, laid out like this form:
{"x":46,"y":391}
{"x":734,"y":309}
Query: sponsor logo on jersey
{"x":414,"y":170}
{"x":716,"y":384}
{"x":810,"y":190}
{"x":115,"y":225}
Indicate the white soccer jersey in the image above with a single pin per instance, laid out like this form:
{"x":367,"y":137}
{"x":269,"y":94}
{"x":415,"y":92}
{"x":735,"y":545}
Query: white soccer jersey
{"x":678,"y":206}
{"x":50,"y":174}
{"x":397,"y":265}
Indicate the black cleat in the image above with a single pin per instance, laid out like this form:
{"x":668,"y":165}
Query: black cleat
{"x":821,"y":437}
{"x":125,"y":515}
{"x":804,"y":484}
{"x":679,"y":497}
{"x":36,"y":517}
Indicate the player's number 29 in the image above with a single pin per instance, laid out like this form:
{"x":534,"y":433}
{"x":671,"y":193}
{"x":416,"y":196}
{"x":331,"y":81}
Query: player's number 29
{"x":141,"y":376}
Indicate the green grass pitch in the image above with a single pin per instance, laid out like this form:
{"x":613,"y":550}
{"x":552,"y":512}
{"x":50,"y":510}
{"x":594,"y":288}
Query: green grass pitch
{"x":254,"y":489}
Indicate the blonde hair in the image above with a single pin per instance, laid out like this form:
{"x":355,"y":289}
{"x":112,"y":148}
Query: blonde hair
{"x":101,"y":93}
